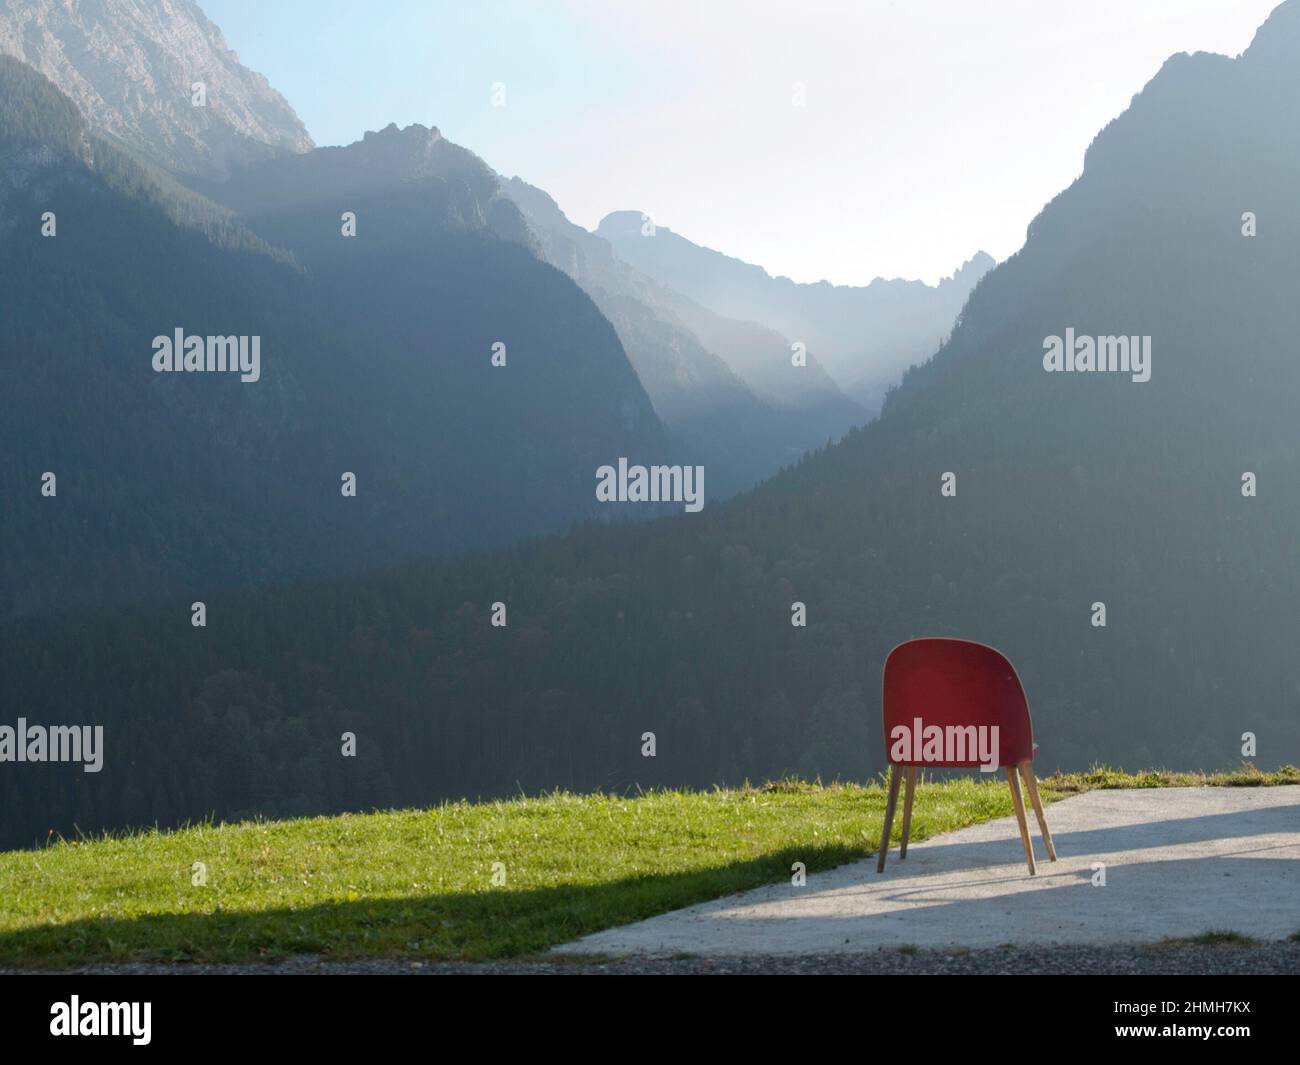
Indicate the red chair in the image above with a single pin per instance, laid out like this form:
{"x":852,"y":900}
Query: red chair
{"x":971,"y":693}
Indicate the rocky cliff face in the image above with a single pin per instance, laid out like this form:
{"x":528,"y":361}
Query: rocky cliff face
{"x":130,"y":66}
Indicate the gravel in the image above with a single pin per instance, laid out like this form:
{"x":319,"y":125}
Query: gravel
{"x":1253,"y":958}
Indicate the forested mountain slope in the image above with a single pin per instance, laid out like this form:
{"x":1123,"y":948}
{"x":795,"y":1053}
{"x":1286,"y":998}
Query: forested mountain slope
{"x":375,"y":359}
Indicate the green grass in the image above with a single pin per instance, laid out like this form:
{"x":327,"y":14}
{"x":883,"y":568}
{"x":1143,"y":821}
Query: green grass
{"x":1102,"y":777}
{"x":419,"y":883}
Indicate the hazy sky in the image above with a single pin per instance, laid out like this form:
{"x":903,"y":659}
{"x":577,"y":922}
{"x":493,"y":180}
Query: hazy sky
{"x":929,"y":128}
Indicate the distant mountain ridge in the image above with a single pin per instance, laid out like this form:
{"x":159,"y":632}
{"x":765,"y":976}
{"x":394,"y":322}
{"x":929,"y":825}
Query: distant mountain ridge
{"x":393,"y":161}
{"x":865,"y":336}
{"x":728,"y":388}
{"x":129,"y":66}
{"x":735,"y":400}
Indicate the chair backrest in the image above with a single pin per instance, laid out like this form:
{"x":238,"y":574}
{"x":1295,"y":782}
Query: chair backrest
{"x":954,"y":684}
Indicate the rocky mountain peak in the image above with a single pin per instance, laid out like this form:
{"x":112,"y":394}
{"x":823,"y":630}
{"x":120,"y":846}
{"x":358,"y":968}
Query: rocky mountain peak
{"x":131,"y":67}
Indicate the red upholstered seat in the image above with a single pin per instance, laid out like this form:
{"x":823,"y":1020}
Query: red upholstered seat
{"x":946,"y":682}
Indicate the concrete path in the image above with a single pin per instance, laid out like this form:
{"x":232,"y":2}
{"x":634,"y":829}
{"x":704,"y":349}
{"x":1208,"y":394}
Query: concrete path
{"x":1178,"y":862}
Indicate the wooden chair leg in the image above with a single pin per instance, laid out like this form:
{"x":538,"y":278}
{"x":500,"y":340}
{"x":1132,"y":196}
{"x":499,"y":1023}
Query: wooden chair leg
{"x":895,"y":775}
{"x":1019,"y":804}
{"x":908,"y":794}
{"x":1031,"y":786}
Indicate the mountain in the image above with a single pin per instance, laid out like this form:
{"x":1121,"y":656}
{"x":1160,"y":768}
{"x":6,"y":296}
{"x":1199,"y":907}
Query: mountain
{"x":390,"y":172}
{"x":130,"y":67}
{"x":1168,"y":498}
{"x":375,"y":358}
{"x":744,"y":430}
{"x":865,"y":336}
